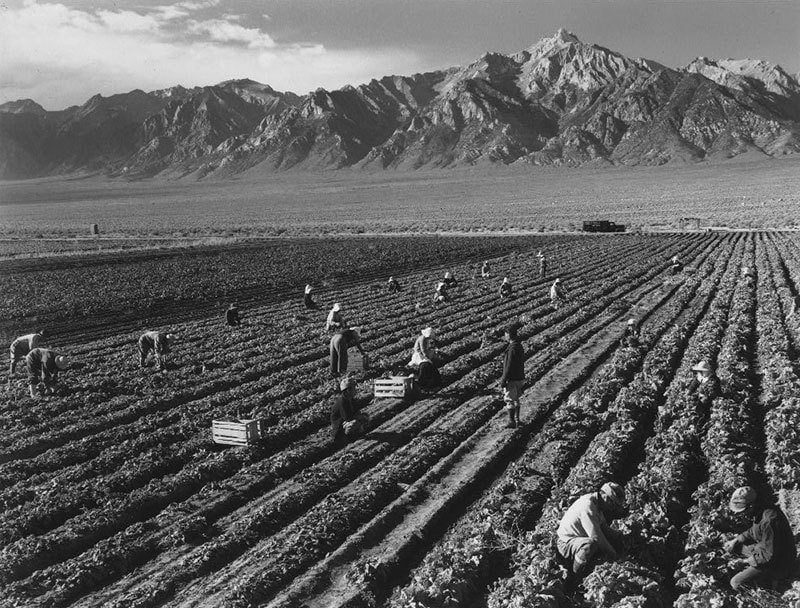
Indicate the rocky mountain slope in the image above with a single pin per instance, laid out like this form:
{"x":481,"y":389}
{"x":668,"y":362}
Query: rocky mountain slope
{"x":559,"y":102}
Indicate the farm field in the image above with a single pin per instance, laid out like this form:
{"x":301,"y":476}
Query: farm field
{"x":112,"y":493}
{"x":737,"y":193}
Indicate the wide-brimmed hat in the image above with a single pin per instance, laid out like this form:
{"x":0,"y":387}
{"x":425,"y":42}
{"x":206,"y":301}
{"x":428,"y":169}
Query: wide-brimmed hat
{"x":439,"y":285}
{"x":742,"y":498}
{"x":337,"y":307}
{"x":613,"y":493}
{"x":62,"y":362}
{"x":308,"y":288}
{"x":346,"y":383}
{"x":171,"y":336}
{"x":557,"y":281}
{"x":505,"y":279}
{"x":631,"y":321}
{"x":448,"y":275}
{"x":702,"y":367}
{"x":427,"y":332}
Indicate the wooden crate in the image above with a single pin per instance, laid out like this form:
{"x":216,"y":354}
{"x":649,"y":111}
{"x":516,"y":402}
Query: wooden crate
{"x":242,"y":432}
{"x":356,"y":362}
{"x":395,"y":387}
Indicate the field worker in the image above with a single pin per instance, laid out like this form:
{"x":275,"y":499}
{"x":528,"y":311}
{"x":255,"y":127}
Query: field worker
{"x":747,"y":272}
{"x":506,"y":289}
{"x":441,"y":295}
{"x":342,"y":410}
{"x":542,"y":265}
{"x":705,"y":386}
{"x":335,"y":320}
{"x":340,"y":342}
{"x":676,"y":266}
{"x":392,"y":286}
{"x":583,"y":530}
{"x":631,"y":335}
{"x":485,"y":269}
{"x":43,"y":366}
{"x":308,"y":299}
{"x":795,"y":307}
{"x":156,"y":342}
{"x":232,"y":315}
{"x":450,"y":280}
{"x":513,"y":379}
{"x":423,"y":359}
{"x":557,"y":295}
{"x":22,"y":346}
{"x":768,"y":544}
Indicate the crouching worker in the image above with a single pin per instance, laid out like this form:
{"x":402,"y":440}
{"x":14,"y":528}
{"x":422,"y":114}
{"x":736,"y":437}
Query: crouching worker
{"x":768,"y":545}
{"x":631,"y":335}
{"x":584,"y":531}
{"x":427,"y":375}
{"x":43,"y":366}
{"x":155,"y":342}
{"x":704,"y":386}
{"x":21,"y":347}
{"x":345,"y":422}
{"x":232,"y":316}
{"x":340,"y":342}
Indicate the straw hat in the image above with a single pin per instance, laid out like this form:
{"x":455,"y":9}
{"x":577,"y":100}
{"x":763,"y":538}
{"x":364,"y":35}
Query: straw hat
{"x":171,"y":336}
{"x":742,"y":498}
{"x":448,"y":275}
{"x":702,"y":367}
{"x":308,"y":288}
{"x":337,"y":307}
{"x":631,"y":321}
{"x":427,"y":332}
{"x":62,"y":362}
{"x":505,"y":279}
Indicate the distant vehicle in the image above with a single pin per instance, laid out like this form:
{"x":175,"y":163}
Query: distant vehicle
{"x":603,"y":226}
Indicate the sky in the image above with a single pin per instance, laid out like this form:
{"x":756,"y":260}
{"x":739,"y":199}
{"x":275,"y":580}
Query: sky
{"x":60,"y":53}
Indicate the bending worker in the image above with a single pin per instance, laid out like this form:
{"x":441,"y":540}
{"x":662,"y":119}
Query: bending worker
{"x":584,"y":532}
{"x":22,"y":346}
{"x":335,"y":320}
{"x":342,"y":410}
{"x":232,"y":316}
{"x":449,"y":279}
{"x":557,"y":295}
{"x":506,"y":289}
{"x":43,"y":366}
{"x":513,"y":378}
{"x":340,"y":342}
{"x":441,"y":294}
{"x":631,"y":335}
{"x":768,"y":544}
{"x":308,"y":299}
{"x":392,"y":286}
{"x":156,"y":342}
{"x":423,"y":357}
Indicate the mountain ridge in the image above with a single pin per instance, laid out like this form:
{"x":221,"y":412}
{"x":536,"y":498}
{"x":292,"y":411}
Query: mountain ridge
{"x":561,"y":101}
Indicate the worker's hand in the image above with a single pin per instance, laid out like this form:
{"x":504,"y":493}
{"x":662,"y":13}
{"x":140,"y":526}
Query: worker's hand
{"x":732,"y":546}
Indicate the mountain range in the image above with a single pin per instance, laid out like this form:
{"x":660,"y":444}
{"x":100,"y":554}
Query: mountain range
{"x":559,"y":102}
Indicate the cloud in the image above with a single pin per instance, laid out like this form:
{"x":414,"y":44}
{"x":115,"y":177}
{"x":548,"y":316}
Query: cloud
{"x":59,"y":55}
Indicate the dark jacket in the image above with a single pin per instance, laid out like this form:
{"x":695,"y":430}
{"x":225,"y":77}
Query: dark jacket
{"x":514,"y":364}
{"x":393,"y":286}
{"x":631,"y":336}
{"x":451,"y":282}
{"x":308,"y":300}
{"x":156,"y":341}
{"x":41,"y":363}
{"x":772,"y":540}
{"x":506,"y":289}
{"x":232,"y":316}
{"x":706,"y":392}
{"x":341,"y":411}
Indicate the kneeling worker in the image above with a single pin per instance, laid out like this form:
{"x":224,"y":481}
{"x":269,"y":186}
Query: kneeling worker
{"x":584,"y":530}
{"x":156,"y":342}
{"x":768,"y":545}
{"x":43,"y":366}
{"x":342,"y":410}
{"x":423,"y":357}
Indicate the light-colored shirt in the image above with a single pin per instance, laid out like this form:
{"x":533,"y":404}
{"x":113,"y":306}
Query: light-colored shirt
{"x":335,"y":319}
{"x":32,"y":341}
{"x":583,"y":519}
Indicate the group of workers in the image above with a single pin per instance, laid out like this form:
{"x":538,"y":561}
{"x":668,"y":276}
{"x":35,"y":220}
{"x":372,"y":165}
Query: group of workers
{"x":767,"y":544}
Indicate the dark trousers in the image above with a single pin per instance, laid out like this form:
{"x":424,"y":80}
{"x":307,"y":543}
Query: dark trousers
{"x":428,"y":375}
{"x":144,"y":350}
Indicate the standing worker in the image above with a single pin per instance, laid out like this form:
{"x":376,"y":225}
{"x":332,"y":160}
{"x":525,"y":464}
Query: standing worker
{"x":506,"y":289}
{"x":232,"y":315}
{"x":335,"y":320}
{"x":308,"y":299}
{"x":423,"y":359}
{"x":392,"y":286}
{"x":631,"y":336}
{"x":542,"y":265}
{"x":557,"y":294}
{"x":513,"y":379}
{"x":43,"y":366}
{"x":340,"y":342}
{"x":22,"y":346}
{"x":704,"y":387}
{"x":157,"y":342}
{"x":768,"y":544}
{"x":485,"y":269}
{"x":584,"y":531}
